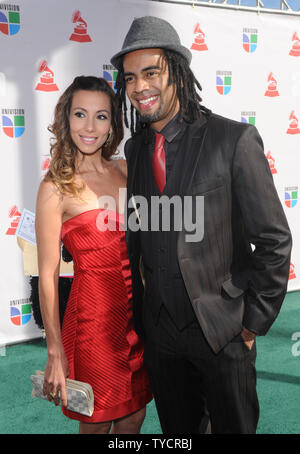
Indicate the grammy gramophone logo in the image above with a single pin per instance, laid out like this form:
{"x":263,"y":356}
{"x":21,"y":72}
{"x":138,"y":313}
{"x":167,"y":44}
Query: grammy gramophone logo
{"x":271,"y":162}
{"x":14,"y":216}
{"x":271,"y":91}
{"x":80,"y":33}
{"x":46,"y":82}
{"x":294,"y":124}
{"x":292,"y":274}
{"x":199,"y":39}
{"x":295,"y":50}
{"x":45,"y":164}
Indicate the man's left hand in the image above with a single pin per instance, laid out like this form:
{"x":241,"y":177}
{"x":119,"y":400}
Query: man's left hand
{"x":248,"y":337}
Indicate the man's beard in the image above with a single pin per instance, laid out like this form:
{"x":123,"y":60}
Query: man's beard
{"x":151,"y":118}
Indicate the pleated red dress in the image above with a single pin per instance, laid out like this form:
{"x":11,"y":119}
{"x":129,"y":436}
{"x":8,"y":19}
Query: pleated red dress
{"x":100,"y":343}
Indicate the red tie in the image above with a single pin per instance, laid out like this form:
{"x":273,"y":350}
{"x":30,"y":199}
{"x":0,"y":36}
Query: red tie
{"x":159,"y":162}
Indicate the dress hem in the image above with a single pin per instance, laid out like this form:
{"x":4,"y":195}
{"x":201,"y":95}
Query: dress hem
{"x":110,"y":414}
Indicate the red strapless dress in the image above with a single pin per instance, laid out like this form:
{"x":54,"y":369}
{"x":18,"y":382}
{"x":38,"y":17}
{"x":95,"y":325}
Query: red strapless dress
{"x":100,"y":343}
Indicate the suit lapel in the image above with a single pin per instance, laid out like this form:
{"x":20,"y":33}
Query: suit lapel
{"x":195,"y":136}
{"x":193,"y":142}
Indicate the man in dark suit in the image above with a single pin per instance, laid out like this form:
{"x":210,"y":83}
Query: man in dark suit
{"x":205,"y":297}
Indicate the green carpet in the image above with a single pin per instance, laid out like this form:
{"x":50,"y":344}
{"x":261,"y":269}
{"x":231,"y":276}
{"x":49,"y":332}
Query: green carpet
{"x":278,"y":373}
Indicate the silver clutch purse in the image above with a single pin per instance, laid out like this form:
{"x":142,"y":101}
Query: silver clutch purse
{"x":80,"y":395}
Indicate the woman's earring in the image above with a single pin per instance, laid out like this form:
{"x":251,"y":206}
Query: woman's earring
{"x":108,"y":140}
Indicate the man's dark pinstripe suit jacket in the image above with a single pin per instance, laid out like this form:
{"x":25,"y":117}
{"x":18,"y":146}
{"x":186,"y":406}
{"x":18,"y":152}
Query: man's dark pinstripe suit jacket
{"x":230,"y":284}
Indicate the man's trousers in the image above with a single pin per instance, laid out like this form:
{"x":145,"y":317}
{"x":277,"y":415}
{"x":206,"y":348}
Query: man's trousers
{"x":190,"y":381}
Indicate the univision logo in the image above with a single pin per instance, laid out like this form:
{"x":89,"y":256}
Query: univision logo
{"x":223,"y":82}
{"x":291,"y":196}
{"x":110,"y":75}
{"x":248,"y":117}
{"x":249,"y":39}
{"x":13,"y":122}
{"x":9,"y":19}
{"x":20,"y":311}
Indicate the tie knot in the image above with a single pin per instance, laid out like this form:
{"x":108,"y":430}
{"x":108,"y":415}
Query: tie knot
{"x":159,"y":140}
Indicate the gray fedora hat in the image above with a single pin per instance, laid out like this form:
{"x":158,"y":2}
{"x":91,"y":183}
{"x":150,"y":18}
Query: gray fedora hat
{"x":151,"y":32}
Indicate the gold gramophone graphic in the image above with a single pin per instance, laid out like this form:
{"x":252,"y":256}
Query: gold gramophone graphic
{"x":46,"y":82}
{"x":295,"y":50}
{"x":199,"y":40}
{"x":272,"y":87}
{"x":293,"y":127}
{"x":80,"y":30}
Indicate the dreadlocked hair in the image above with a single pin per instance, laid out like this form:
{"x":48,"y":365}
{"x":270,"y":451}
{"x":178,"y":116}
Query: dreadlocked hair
{"x":187,"y":90}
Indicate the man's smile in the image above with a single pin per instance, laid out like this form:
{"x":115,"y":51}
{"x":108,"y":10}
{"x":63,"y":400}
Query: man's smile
{"x":147,"y":103}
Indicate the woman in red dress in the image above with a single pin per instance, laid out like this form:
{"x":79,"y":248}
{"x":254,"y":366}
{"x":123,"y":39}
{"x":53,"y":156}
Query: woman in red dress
{"x":97,"y":343}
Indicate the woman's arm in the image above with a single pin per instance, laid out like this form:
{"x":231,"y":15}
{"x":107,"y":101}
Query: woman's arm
{"x":49,"y":210}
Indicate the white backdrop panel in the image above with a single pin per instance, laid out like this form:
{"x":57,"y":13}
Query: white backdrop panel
{"x":31,"y":33}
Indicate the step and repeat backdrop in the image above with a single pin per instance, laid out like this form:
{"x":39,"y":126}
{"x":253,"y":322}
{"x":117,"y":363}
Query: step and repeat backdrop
{"x":248,"y":66}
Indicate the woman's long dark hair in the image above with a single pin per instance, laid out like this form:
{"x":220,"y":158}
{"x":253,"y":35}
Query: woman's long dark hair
{"x":187,"y":88}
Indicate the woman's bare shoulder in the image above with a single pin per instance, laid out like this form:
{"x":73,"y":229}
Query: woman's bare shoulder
{"x":47,"y":185}
{"x":48,"y":191}
{"x":121,"y":164}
